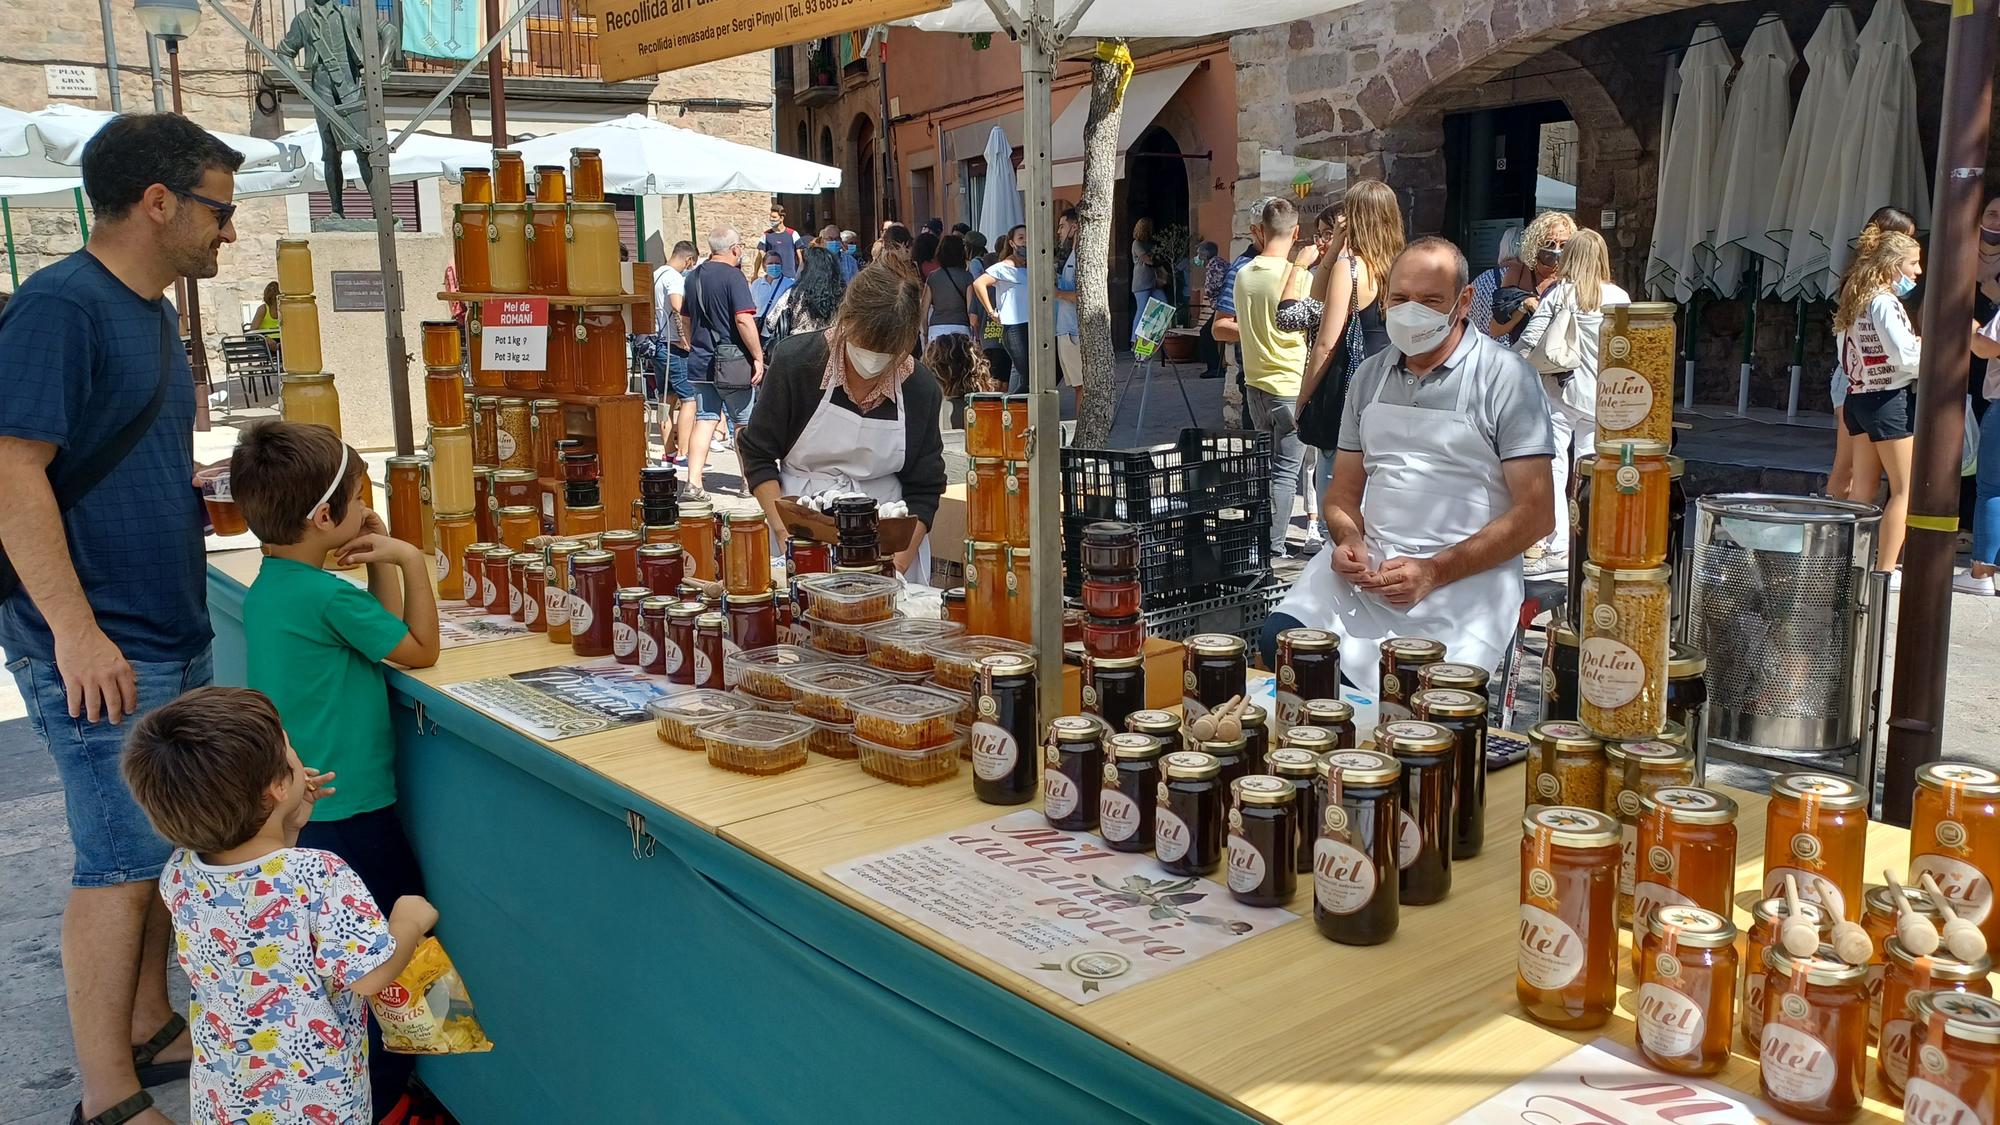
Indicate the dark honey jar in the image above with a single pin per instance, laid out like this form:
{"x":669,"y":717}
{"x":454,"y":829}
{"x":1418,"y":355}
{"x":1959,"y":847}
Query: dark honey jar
{"x":1114,"y":687}
{"x":1463,"y":713}
{"x":1187,"y":824}
{"x":1308,"y":668}
{"x":1301,"y":768}
{"x":1263,"y":840}
{"x":1073,"y":772}
{"x":1427,"y":753}
{"x":1216,"y":671}
{"x":1355,"y":899}
{"x":1163,"y":725}
{"x":1336,"y":715}
{"x":1125,"y":804}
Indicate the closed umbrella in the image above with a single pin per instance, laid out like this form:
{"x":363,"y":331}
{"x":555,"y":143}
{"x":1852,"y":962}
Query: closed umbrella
{"x":421,"y":156}
{"x":1755,"y":126}
{"x":1810,"y":154}
{"x":1685,"y":218}
{"x":1000,"y":203}
{"x":1878,"y":159}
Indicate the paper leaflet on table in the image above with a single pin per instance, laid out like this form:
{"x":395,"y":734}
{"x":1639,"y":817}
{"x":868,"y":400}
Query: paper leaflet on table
{"x":566,"y":700}
{"x":1602,"y":1082}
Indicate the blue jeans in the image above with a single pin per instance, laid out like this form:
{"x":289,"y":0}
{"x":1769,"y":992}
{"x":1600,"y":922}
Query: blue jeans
{"x":714,"y":402}
{"x":1986,"y":509}
{"x":114,"y":841}
{"x":1273,"y":414}
{"x":671,"y":370}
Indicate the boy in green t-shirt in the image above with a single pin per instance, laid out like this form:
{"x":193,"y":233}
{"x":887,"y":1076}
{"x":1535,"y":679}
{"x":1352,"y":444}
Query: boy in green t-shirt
{"x":316,"y":643}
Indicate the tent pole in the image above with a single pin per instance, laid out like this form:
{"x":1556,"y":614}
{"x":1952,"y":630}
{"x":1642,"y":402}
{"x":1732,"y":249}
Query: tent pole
{"x":693,"y":235}
{"x":1798,"y":357}
{"x":82,"y":215}
{"x":1749,"y":345}
{"x":1040,"y":40}
{"x":639,"y":228}
{"x":375,"y":150}
{"x":1687,"y":338}
{"x":1923,"y":631}
{"x":13,"y":267}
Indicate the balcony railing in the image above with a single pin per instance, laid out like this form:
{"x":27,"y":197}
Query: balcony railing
{"x":556,"y":40}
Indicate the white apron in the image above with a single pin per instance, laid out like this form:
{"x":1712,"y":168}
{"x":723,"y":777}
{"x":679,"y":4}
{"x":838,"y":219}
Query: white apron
{"x":1433,"y":481}
{"x":841,"y":449}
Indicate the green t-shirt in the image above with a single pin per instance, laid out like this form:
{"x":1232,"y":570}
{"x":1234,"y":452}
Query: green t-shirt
{"x":315,"y":645}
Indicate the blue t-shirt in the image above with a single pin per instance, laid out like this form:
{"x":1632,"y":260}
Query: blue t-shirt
{"x":80,"y":358}
{"x":785,"y":241}
{"x":716,"y":292}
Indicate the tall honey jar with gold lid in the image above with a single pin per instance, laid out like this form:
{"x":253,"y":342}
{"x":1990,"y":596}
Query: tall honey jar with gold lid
{"x":1566,"y":970}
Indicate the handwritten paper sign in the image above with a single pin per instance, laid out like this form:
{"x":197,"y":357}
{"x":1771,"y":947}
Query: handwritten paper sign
{"x":514,"y":334}
{"x":1058,"y":908}
{"x":1603,"y":1082}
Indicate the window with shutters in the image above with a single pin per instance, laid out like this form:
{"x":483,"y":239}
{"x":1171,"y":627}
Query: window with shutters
{"x":402,"y":203}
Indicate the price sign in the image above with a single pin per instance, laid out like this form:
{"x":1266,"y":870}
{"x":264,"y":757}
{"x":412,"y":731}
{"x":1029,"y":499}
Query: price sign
{"x":514,"y":334}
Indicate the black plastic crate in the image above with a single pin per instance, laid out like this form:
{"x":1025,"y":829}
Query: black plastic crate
{"x":1227,"y":547}
{"x":1236,"y":611}
{"x":1204,"y":471}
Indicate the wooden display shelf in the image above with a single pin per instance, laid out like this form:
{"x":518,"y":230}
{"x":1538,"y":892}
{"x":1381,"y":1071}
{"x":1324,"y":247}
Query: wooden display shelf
{"x":616,"y":426}
{"x":553,"y":299}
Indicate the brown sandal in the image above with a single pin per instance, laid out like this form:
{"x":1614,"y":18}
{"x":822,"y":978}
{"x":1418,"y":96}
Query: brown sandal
{"x":118,"y":1114}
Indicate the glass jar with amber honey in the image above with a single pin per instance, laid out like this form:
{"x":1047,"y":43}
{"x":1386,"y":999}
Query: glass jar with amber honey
{"x":986,"y":588}
{"x":699,"y":539}
{"x":1263,"y":840}
{"x":1639,"y":768}
{"x":746,"y":554}
{"x":1628,"y":505}
{"x":1686,"y":1007}
{"x":1906,"y":973}
{"x":1955,"y":1056}
{"x":1402,"y":658}
{"x":1816,"y":828}
{"x":594,"y":580}
{"x":1426,"y":808}
{"x":1766,"y":916}
{"x":1355,"y":899}
{"x":1879,"y":906}
{"x":985,"y":414}
{"x":556,"y":556}
{"x":985,"y":500}
{"x":1566,"y":970}
{"x":1308,"y":668}
{"x":1686,"y":854}
{"x":1565,"y":765}
{"x":1463,"y":713}
{"x":1813,"y":1056}
{"x":1955,"y":838}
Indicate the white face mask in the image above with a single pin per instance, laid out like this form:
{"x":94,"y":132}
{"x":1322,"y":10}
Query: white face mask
{"x":1416,"y":329}
{"x":869,"y":364}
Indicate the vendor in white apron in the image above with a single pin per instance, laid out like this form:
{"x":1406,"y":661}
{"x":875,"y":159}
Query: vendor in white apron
{"x":1441,"y":481}
{"x":849,"y":409}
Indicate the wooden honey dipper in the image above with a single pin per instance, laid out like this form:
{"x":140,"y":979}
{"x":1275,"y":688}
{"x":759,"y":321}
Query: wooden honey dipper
{"x":1913,"y":932}
{"x":1799,"y":937}
{"x":1205,"y":728}
{"x":1961,"y":937}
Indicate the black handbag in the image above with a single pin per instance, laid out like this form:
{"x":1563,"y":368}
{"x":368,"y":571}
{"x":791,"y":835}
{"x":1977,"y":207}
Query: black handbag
{"x":71,"y":482}
{"x":1319,"y":422}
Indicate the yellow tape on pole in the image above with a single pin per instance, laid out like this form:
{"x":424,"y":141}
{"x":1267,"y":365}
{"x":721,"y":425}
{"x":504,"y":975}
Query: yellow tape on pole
{"x":1947,"y":524}
{"x":1117,"y":55}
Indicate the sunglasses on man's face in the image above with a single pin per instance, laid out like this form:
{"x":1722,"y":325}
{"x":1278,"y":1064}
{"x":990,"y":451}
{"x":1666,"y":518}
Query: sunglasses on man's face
{"x":223,"y":211}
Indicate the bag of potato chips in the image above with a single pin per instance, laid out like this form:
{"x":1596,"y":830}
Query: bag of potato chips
{"x":426,"y":1011}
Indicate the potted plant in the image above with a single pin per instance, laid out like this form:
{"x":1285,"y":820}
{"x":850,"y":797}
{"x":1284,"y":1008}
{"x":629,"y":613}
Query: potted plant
{"x":820,"y":65}
{"x":1175,"y":244}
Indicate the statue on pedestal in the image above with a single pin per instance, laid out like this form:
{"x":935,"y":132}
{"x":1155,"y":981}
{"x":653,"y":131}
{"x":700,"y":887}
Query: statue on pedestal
{"x":329,"y":32}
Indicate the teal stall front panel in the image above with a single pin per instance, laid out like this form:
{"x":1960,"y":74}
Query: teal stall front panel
{"x":699,"y":983}
{"x":225,"y":615}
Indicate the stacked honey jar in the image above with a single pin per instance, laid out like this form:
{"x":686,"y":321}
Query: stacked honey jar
{"x":1114,"y":633}
{"x":999,"y":597}
{"x":309,"y":393}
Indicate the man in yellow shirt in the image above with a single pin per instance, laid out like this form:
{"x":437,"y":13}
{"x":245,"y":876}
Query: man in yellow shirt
{"x":1274,"y":359}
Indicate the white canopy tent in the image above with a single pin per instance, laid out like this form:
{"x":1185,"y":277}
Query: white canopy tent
{"x":1755,"y":126}
{"x":1811,"y":154}
{"x":1000,"y":200}
{"x":1145,"y":96}
{"x":421,"y":156}
{"x":1686,"y":213}
{"x":643,"y":156}
{"x":49,"y":142}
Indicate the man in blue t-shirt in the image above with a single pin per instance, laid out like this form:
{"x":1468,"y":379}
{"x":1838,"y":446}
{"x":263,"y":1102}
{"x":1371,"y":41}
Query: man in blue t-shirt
{"x":722,"y":317}
{"x":111,"y":619}
{"x":783,"y":241}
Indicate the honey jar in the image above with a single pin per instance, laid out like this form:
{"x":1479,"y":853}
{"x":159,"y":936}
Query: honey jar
{"x":1560,"y":667}
{"x":1073,"y":772}
{"x":1355,"y":899}
{"x":1232,"y":758}
{"x":1686,"y":1007}
{"x":534,"y":595}
{"x":1635,"y":381}
{"x":517,"y":585}
{"x":1402,"y":659}
{"x":753,"y":621}
{"x":1907,"y":973}
{"x":518,"y":525}
{"x":1319,"y":743}
{"x":1113,"y":688}
{"x":507,"y":247}
{"x":1426,"y":806}
{"x":1565,"y":765}
{"x":559,"y":368}
{"x":1628,"y":505}
{"x":602,"y":349}
{"x":985,"y":500}
{"x":985,"y":417}
{"x":298,"y":334}
{"x":1450,"y":674}
{"x":1813,"y":1057}
{"x":442,"y":345}
{"x":700,"y":540}
{"x":493,"y":582}
{"x":1636,"y":769}
{"x":1125,"y":803}
{"x":1955,"y":1058}
{"x":1014,"y":429}
{"x":594,"y":580}
{"x":1215,"y":671}
{"x":1187,"y":824}
{"x":653,"y":635}
{"x":454,"y":536}
{"x":1766,"y":915}
{"x":311,"y":400}
{"x":1955,"y":838}
{"x":1687,"y":700}
{"x":295,"y":267}
{"x":586,"y":171}
{"x":660,"y":568}
{"x":746,"y":554}
{"x":473,"y":565}
{"x":1020,"y":594}
{"x":1566,"y":970}
{"x":556,"y":610}
{"x":1334,"y":715}
{"x":592,"y":249}
{"x":1878,"y":919}
{"x":1816,"y":828}
{"x":548,"y":264}
{"x":513,"y":443}
{"x":1300,"y":768}
{"x":469,"y":230}
{"x":1463,"y":714}
{"x":444,"y":396}
{"x":1308,"y":668}
{"x":625,"y":622}
{"x":1003,"y":737}
{"x":710,"y":658}
{"x":404,"y":478}
{"x":679,"y":659}
{"x":1686,"y":854}
{"x":624,"y":548}
{"x":1263,"y":840}
{"x":1622,"y":658}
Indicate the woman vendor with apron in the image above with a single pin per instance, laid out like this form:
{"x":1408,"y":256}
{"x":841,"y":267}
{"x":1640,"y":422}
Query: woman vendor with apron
{"x":848,"y":409}
{"x":1444,"y":458}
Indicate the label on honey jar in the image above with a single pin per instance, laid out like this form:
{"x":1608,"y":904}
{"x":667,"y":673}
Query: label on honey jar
{"x":1343,"y":877}
{"x":1970,"y":893}
{"x":994,"y":752}
{"x":1609,"y":674}
{"x":440,"y":564}
{"x":531,"y":610}
{"x":675,"y":657}
{"x":1927,"y":1101}
{"x":1409,"y":839}
{"x":507,"y":445}
{"x":624,"y":639}
{"x":1813,"y":887}
{"x":704,"y":669}
{"x":731,"y":671}
{"x":1628,"y":856}
{"x":580,"y":617}
{"x":513,"y":600}
{"x":1669,"y":1022}
{"x":1797,"y":1066}
{"x":1117,"y":815}
{"x":649,"y":649}
{"x":488,"y":591}
{"x":1551,"y":954}
{"x":1291,"y":709}
{"x":1894,"y":1051}
{"x":1624,"y":398}
{"x":557,"y":608}
{"x":1170,"y":835}
{"x":1246,"y":865}
{"x":1059,"y":793}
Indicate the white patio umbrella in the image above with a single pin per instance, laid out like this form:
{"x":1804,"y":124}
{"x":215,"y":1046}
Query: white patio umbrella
{"x":39,"y":191}
{"x":1686,"y":215}
{"x":643,"y":156}
{"x":421,"y":156}
{"x":1810,"y":153}
{"x":1755,"y":127}
{"x":1878,"y":157}
{"x":1000,"y":203}
{"x":50,"y":142}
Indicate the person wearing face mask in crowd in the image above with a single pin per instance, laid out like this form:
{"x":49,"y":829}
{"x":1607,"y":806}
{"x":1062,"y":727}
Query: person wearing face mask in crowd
{"x":1984,"y":383}
{"x":1879,"y":350}
{"x":849,"y":408}
{"x":726,"y":358}
{"x":770,"y":292}
{"x":1441,"y":481}
{"x":1521,"y":290}
{"x":783,"y":241}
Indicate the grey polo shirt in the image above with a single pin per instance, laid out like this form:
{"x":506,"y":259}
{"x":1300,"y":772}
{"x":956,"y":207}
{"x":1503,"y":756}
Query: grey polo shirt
{"x":1507,"y":401}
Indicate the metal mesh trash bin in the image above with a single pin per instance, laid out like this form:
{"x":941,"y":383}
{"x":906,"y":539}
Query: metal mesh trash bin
{"x":1783,"y":600}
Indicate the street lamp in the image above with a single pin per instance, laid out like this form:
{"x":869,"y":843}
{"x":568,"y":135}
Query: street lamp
{"x":171,"y":21}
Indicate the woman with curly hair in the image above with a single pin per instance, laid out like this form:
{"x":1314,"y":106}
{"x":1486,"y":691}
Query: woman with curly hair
{"x":1884,"y":221}
{"x":812,"y":302}
{"x":1540,"y":251}
{"x":961,"y":368}
{"x":1879,"y":351}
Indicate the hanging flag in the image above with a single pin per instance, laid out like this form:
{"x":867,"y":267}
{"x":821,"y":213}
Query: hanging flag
{"x":441,"y":29}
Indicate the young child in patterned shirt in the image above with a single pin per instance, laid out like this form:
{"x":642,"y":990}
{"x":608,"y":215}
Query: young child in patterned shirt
{"x":282,"y":944}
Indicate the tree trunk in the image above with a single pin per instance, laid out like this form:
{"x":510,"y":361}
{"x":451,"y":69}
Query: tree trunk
{"x":1093,"y":251}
